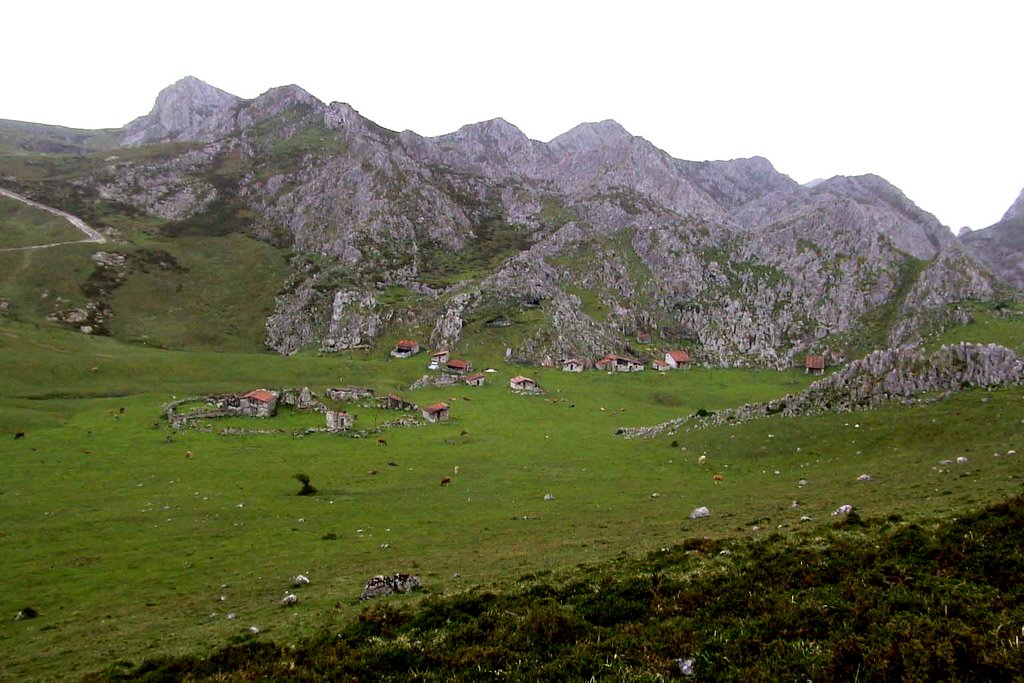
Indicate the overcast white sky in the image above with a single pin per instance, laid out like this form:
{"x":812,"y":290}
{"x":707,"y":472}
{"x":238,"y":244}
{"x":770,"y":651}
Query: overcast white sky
{"x":925,"y":94}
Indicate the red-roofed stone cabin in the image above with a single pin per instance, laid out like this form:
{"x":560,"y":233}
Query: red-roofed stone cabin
{"x":520,"y":383}
{"x":677,"y":359}
{"x":814,"y":365}
{"x":458,"y":367}
{"x":338,"y":420}
{"x":572,"y":365}
{"x":436,"y":413}
{"x":615,"y":363}
{"x":660,"y":365}
{"x":477,"y":379}
{"x":643,"y":337}
{"x":258,"y":403}
{"x":405,"y":348}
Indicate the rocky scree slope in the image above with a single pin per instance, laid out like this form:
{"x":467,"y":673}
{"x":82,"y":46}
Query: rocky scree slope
{"x":575,"y":244}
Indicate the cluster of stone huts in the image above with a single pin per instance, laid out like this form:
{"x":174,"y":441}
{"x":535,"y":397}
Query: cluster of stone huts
{"x":441,"y":360}
{"x":673,"y":360}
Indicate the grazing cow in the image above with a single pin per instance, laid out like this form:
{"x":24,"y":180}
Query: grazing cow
{"x":456,"y":469}
{"x":371,"y":472}
{"x":719,"y":478}
{"x":188,"y":455}
{"x":382,"y":442}
{"x":392,"y":463}
{"x":19,"y":435}
{"x":464,"y":433}
{"x":445,"y":481}
{"x":701,"y":460}
{"x":121,"y":410}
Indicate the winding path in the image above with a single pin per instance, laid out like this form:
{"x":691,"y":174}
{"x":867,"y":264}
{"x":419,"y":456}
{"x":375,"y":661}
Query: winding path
{"x":92,"y":235}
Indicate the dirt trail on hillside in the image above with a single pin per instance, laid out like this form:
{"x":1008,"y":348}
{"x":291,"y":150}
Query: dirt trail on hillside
{"x":91,"y":234}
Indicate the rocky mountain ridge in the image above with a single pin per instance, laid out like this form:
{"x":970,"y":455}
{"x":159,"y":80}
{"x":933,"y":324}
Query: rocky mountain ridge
{"x":1001,"y":246}
{"x":577,"y":243}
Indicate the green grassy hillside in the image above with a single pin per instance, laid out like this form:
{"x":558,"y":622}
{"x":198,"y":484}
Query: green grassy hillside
{"x":22,"y":225}
{"x":124,"y":547}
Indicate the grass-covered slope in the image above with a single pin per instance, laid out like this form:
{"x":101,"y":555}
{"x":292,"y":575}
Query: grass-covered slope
{"x":124,"y":547}
{"x":875,"y":600}
{"x":22,"y":225}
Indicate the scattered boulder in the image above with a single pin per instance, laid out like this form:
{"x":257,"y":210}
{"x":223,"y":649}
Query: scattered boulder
{"x":843,"y":510}
{"x":961,"y":460}
{"x":700,"y":513}
{"x":386,"y":585}
{"x":686,"y":665}
{"x":805,"y":518}
{"x":864,"y":477}
{"x":549,"y":496}
{"x":300,"y":580}
{"x":289,"y":600}
{"x":802,"y":483}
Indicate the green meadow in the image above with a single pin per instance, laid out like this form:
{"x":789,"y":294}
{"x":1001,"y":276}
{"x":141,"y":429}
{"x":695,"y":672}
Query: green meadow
{"x":22,"y":225}
{"x":128,"y":550}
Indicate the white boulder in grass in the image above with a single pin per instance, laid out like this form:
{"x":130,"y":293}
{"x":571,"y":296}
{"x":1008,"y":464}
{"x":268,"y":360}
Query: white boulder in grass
{"x":864,"y":477}
{"x":700,"y":513}
{"x":961,"y":460}
{"x":300,"y":580}
{"x":843,"y":510}
{"x":289,"y":600}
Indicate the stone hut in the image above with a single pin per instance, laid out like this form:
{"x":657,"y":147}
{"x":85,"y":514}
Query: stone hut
{"x":520,"y":383}
{"x":572,"y":365}
{"x":677,"y":359}
{"x":436,"y":413}
{"x":439,"y":358}
{"x":258,"y":403}
{"x":405,"y":348}
{"x":477,"y":379}
{"x":614,"y":363}
{"x":814,"y":365}
{"x":458,"y":367}
{"x":396,"y":402}
{"x":660,"y":365}
{"x":339,"y":420}
{"x":643,"y":337}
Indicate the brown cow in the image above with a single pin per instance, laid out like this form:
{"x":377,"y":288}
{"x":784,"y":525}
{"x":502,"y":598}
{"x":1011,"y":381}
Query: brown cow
{"x":188,"y":455}
{"x":719,"y":478}
{"x":445,"y":481}
{"x":382,"y":442}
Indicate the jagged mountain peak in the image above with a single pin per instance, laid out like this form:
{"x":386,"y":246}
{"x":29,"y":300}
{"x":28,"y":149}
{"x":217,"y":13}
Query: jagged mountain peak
{"x":1016,"y":209}
{"x":189,"y":109}
{"x":594,"y":134}
{"x":496,"y":127}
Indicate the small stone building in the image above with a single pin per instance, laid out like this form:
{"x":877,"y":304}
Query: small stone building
{"x":258,"y":403}
{"x":339,"y":420}
{"x":405,"y":348}
{"x":660,"y":365}
{"x":615,"y":363}
{"x":643,"y":337}
{"x":572,"y":365}
{"x":477,"y":379}
{"x":520,"y":383}
{"x":458,"y":367}
{"x":677,"y":359}
{"x":396,"y":402}
{"x":439,"y":358}
{"x":436,"y":413}
{"x":814,"y":365}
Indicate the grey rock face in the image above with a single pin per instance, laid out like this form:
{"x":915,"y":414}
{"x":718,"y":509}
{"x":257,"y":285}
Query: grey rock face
{"x":189,"y":110}
{"x":386,"y":585}
{"x":1001,"y":246}
{"x":1016,"y":209}
{"x":599,"y":230}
